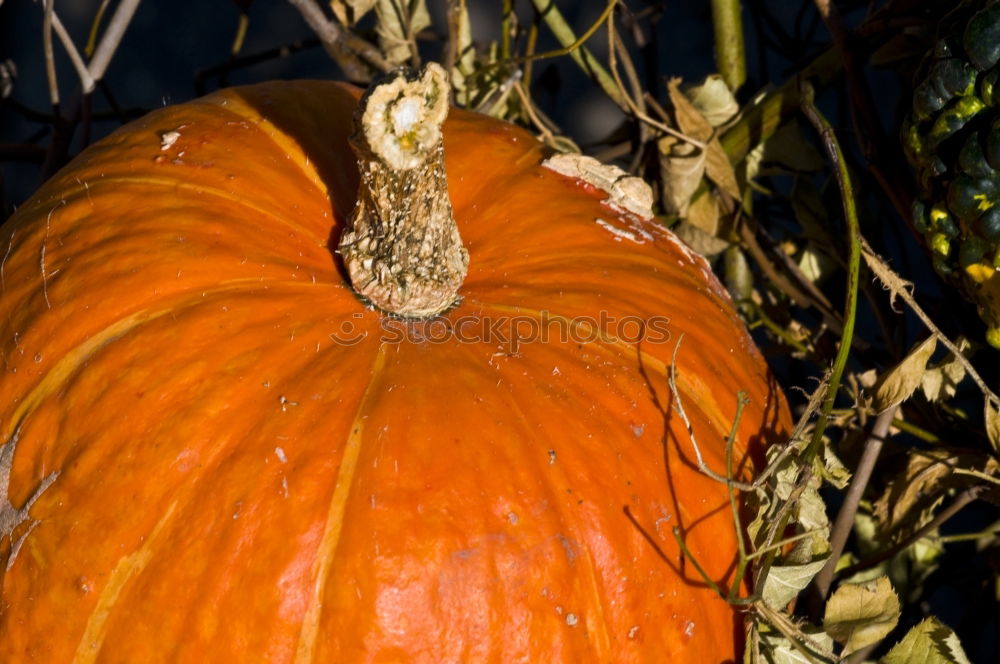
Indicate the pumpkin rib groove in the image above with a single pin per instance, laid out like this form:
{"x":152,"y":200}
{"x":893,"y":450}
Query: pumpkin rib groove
{"x":92,"y":641}
{"x":573,"y":529}
{"x":650,"y":361}
{"x":280,"y":139}
{"x":309,"y":633}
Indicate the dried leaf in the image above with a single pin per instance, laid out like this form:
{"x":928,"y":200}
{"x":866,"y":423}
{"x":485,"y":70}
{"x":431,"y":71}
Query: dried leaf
{"x":682,"y":166}
{"x":833,"y":469}
{"x":941,"y":381}
{"x":349,"y":12}
{"x":930,"y":642}
{"x":815,"y":264}
{"x":785,"y":582}
{"x":703,"y":243}
{"x":692,"y":123}
{"x":897,"y":384}
{"x":859,"y":615}
{"x":992,"y":417}
{"x":921,"y":484}
{"x":738,"y":275}
{"x":810,"y":515}
{"x":397,"y":24}
{"x":465,"y":52}
{"x":779,"y":650}
{"x":714,"y":100}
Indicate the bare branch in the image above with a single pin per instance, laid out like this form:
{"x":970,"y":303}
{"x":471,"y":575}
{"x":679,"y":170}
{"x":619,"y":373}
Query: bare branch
{"x":111,"y":38}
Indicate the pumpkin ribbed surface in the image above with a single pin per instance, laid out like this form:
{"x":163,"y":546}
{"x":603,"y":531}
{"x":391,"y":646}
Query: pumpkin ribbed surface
{"x":231,"y":484}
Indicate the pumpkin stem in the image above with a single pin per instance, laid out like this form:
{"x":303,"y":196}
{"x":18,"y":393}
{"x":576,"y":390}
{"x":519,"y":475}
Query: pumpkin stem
{"x":402,"y":249}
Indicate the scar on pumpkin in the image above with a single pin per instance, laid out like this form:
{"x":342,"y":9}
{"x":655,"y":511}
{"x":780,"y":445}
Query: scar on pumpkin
{"x":11,"y":518}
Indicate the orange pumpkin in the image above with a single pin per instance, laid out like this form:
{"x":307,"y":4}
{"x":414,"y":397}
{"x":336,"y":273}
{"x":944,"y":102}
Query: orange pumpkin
{"x":213,"y":451}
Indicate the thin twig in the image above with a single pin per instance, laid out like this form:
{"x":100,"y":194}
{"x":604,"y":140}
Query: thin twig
{"x":969,"y":495}
{"x":111,"y":38}
{"x":50,"y":60}
{"x":679,"y":404}
{"x":897,"y":286}
{"x":859,"y":482}
{"x":638,"y":108}
{"x":573,"y":46}
{"x":86,"y":80}
{"x":343,"y":46}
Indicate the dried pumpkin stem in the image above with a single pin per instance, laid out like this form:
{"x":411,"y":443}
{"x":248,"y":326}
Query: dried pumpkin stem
{"x":402,"y":250}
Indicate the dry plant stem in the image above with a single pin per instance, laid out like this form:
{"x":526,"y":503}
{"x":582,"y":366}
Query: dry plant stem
{"x":402,"y":249}
{"x":347,"y":49}
{"x":812,"y":651}
{"x":111,"y":38}
{"x":50,"y":61}
{"x":574,"y":47}
{"x":900,"y":288}
{"x":729,"y":51}
{"x":638,"y":109}
{"x":845,"y":518}
{"x":836,"y":157}
{"x":967,"y":496}
{"x":88,"y":50}
{"x":86,"y":80}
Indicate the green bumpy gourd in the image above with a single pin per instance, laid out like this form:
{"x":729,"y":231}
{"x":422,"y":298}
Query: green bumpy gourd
{"x":952,"y":138}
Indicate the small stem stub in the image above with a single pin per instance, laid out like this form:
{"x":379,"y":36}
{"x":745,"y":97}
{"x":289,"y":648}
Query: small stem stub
{"x":402,"y":249}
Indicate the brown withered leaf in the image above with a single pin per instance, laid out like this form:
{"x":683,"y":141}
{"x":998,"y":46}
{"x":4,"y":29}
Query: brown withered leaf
{"x":397,"y":24}
{"x":682,"y":166}
{"x":941,"y":380}
{"x":897,"y":384}
{"x":349,"y":12}
{"x":692,"y":123}
{"x":704,"y":243}
{"x":928,"y":474}
{"x":860,"y":614}
{"x":991,"y":415}
{"x":714,"y":100}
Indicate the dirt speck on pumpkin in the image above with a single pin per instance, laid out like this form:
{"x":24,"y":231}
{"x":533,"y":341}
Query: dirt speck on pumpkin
{"x":280,"y":453}
{"x":571,"y":619}
{"x":168,"y":138}
{"x":632,"y":631}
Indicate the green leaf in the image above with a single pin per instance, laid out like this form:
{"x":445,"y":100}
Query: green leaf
{"x":930,"y":642}
{"x":785,"y":582}
{"x":896,"y":385}
{"x":859,"y":615}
